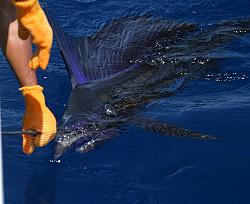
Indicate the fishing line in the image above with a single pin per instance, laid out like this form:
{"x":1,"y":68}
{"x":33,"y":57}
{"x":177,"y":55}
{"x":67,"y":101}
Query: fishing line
{"x":18,"y":132}
{"x":27,"y":132}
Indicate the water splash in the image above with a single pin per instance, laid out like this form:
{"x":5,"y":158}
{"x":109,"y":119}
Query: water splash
{"x":225,"y":77}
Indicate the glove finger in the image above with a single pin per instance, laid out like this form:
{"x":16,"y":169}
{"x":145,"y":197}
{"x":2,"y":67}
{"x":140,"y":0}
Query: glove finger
{"x":34,"y":62}
{"x":43,"y":139}
{"x":23,"y":33}
{"x":44,"y":55}
{"x":28,"y":144}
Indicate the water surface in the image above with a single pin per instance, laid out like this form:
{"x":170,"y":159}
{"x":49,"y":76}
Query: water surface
{"x":140,"y":166}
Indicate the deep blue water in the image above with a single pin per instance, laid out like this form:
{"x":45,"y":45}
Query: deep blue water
{"x":140,"y":166}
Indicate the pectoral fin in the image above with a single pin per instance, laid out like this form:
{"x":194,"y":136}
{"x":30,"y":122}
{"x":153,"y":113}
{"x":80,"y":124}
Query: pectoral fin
{"x":169,"y":129}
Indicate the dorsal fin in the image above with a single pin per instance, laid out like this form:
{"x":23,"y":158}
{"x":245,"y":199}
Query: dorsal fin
{"x":68,"y":47}
{"x":113,"y":49}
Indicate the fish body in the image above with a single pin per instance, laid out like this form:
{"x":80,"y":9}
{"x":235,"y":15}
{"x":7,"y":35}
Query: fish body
{"x":127,"y":64}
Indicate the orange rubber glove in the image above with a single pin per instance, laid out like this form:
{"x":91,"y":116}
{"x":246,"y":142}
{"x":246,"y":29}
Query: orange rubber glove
{"x":32,"y":20}
{"x":37,"y":117}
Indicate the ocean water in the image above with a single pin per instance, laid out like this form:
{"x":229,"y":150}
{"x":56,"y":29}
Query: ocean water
{"x":140,"y":166}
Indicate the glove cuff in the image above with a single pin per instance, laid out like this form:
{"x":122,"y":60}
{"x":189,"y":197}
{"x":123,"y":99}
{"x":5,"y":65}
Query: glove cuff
{"x":24,"y":3}
{"x":34,"y":98}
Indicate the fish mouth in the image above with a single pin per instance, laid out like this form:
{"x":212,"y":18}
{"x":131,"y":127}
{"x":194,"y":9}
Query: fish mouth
{"x":81,"y":141}
{"x":69,"y":140}
{"x":81,"y":133}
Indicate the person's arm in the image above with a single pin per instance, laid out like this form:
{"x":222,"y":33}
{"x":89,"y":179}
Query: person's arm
{"x":32,"y":20}
{"x":18,"y":52}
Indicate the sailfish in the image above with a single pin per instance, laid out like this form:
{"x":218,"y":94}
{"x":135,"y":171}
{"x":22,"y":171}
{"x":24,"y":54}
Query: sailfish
{"x":126,"y":64}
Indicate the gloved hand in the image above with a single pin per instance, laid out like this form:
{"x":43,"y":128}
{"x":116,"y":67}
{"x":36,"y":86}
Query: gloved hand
{"x":32,"y":20}
{"x":37,"y":117}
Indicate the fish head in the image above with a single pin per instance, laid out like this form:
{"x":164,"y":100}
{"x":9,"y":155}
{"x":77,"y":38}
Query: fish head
{"x":75,"y":131}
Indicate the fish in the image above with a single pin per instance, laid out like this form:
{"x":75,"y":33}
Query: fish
{"x":127,"y":64}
